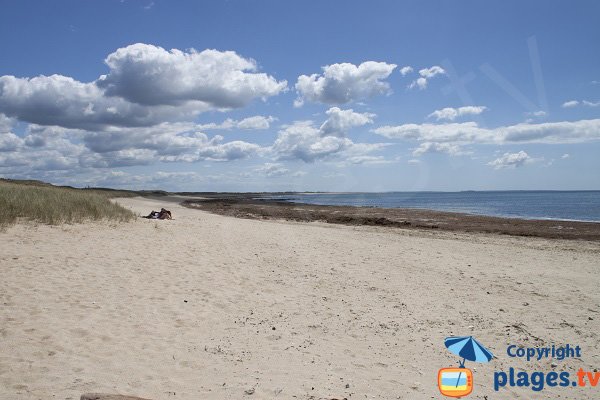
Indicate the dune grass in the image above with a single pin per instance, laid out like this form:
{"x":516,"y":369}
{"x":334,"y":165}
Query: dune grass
{"x":44,"y":203}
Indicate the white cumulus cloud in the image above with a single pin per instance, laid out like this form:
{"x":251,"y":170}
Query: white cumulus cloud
{"x":511,"y":160}
{"x":257,"y":122}
{"x":150,"y":75}
{"x":406,"y":70}
{"x":6,"y":124}
{"x":272,"y":170}
{"x":591,"y":103}
{"x":570,"y":104}
{"x":303,"y":141}
{"x":9,"y":142}
{"x":63,"y":101}
{"x":431,"y":72}
{"x":538,"y":114}
{"x":340,"y":121}
{"x":451,"y":114}
{"x":146,"y":86}
{"x":344,"y":83}
{"x":433,"y":147}
{"x":469,"y":132}
{"x":426,"y":75}
{"x":575,"y":103}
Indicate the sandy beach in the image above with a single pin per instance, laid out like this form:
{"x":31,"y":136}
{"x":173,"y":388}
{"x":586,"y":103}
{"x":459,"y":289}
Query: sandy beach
{"x":215,"y":307}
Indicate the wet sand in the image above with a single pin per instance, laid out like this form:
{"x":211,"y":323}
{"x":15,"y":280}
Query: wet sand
{"x":244,"y":206}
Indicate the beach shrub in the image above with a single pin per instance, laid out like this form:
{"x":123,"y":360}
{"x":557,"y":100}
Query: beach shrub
{"x":54,"y":205}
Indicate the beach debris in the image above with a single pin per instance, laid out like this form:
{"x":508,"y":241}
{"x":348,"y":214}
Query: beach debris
{"x":249,"y":391}
{"x":104,"y":396}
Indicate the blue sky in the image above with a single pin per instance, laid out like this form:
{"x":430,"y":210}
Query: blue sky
{"x":312,"y":95}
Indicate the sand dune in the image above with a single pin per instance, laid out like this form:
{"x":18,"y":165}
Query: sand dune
{"x":214,"y":307}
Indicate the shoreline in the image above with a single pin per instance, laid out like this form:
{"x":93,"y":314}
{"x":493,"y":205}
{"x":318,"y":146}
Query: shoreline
{"x":251,"y":206}
{"x":451,"y":212}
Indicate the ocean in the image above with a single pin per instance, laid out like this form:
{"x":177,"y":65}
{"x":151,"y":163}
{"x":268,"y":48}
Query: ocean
{"x":560,"y":205}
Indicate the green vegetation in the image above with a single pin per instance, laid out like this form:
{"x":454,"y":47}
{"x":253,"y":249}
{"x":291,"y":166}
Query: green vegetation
{"x":45,"y":203}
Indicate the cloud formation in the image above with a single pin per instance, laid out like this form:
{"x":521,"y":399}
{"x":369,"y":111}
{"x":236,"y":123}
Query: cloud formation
{"x":591,"y":103}
{"x":469,"y":132}
{"x":257,"y":122}
{"x":433,"y":147}
{"x":570,"y":104}
{"x":5,"y":123}
{"x":47,"y":150}
{"x":113,"y":147}
{"x":150,"y":75}
{"x":450,"y":114}
{"x":63,"y":101}
{"x":511,"y":160}
{"x":344,"y":83}
{"x":9,"y":142}
{"x":426,"y":75}
{"x":273,"y":170}
{"x":39,"y":151}
{"x":340,"y":121}
{"x":146,"y":86}
{"x":303,"y":141}
{"x":575,"y":103}
{"x":406,"y":70}
{"x":133,"y":115}
{"x":165,"y":142}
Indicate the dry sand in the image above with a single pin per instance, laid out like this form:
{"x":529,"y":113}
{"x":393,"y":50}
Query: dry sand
{"x":214,"y":307}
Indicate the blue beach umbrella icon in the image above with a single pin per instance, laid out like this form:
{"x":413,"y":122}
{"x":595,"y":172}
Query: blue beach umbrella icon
{"x":469,"y":349}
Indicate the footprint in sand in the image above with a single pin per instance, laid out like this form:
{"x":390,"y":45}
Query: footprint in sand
{"x":79,"y":332}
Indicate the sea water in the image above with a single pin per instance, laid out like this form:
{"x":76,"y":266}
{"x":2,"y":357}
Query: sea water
{"x":561,"y":205}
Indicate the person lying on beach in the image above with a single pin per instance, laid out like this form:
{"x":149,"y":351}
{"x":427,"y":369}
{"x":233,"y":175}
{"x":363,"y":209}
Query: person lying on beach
{"x":153,"y":215}
{"x":162,"y":214}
